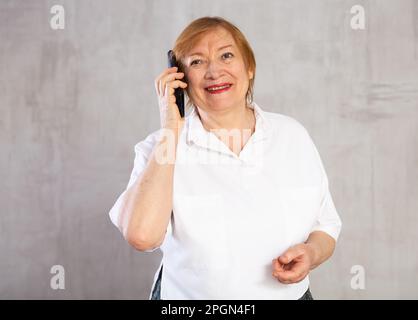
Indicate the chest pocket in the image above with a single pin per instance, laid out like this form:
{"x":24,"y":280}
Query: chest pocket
{"x":301,"y":205}
{"x":200,"y":227}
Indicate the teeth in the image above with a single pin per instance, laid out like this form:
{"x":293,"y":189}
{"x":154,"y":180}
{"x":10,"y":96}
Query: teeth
{"x":218,"y":88}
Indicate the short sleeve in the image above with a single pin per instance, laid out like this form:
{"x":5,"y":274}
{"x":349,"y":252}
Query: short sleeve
{"x":327,"y":219}
{"x":142,"y":151}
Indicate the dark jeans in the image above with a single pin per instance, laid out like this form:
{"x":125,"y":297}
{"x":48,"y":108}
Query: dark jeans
{"x":156,"y":292}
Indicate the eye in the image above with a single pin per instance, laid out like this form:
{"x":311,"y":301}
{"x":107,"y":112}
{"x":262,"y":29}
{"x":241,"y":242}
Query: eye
{"x":196,"y":61}
{"x":227,"y":55}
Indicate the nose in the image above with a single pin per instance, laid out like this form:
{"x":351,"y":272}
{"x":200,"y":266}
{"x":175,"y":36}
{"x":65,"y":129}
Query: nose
{"x":213,"y":70}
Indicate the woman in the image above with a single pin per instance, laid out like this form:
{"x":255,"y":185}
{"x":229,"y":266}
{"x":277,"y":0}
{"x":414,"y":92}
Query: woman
{"x":236,"y":197}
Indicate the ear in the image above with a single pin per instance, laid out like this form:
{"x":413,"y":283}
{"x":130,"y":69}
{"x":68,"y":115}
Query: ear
{"x":250,"y":74}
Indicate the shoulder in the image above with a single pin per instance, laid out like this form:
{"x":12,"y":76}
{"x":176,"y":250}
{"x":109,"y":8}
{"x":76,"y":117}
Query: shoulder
{"x":299,"y":146}
{"x":286,"y":125}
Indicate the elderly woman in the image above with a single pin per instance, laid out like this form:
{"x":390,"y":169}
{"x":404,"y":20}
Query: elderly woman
{"x":236,"y":197}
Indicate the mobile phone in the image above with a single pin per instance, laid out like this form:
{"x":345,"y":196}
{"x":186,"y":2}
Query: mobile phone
{"x":178,"y":92}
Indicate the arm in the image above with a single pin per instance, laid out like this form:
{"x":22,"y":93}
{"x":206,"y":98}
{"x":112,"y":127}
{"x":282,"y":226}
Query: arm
{"x":147,"y":205}
{"x":322,"y":247}
{"x":296,"y":263}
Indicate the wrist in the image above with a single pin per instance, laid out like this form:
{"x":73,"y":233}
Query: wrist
{"x":314,"y":254}
{"x":174,"y":124}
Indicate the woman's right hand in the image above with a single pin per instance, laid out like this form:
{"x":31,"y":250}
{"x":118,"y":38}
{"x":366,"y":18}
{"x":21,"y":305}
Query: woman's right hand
{"x":165,"y":84}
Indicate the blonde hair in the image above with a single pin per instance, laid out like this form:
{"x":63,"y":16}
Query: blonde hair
{"x":194,"y":32}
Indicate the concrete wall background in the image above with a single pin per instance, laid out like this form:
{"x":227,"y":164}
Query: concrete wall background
{"x":74,"y":102}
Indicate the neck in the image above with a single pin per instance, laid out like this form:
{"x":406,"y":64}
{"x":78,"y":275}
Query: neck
{"x":240,"y":117}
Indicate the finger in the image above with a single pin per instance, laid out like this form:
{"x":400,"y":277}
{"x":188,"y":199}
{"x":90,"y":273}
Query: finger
{"x":158,"y":85}
{"x":292,"y":280}
{"x":167,"y":71}
{"x":277,"y":266}
{"x":286,"y":276}
{"x":171,"y":77}
{"x":299,"y":269}
{"x":297,"y":272}
{"x":290,"y":255}
{"x":170,"y":86}
{"x":160,"y":76}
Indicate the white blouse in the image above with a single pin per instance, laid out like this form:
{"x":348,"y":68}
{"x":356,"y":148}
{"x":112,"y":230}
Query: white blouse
{"x":233,"y":214}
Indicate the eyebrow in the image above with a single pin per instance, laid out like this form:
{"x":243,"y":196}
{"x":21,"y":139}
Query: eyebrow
{"x":201,"y":54}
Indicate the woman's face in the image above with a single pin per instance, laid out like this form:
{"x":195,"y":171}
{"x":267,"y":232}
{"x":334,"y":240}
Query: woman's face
{"x":217,"y":61}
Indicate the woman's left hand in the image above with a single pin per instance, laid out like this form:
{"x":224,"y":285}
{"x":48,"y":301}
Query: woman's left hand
{"x":294,"y":264}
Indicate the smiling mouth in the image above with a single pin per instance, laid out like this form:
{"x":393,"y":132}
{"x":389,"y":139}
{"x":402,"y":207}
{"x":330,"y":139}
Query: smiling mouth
{"x":216,"y":89}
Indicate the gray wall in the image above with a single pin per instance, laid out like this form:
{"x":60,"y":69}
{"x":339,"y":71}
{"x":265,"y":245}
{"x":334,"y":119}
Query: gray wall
{"x":74,"y":102}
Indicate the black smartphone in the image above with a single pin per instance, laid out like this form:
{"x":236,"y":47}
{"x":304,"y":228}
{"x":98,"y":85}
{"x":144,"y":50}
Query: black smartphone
{"x":178,"y":92}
